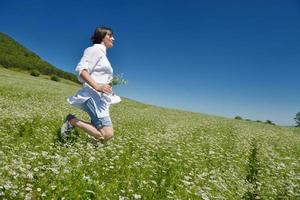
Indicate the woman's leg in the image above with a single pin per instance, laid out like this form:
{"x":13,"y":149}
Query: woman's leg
{"x":101,"y":128}
{"x":103,"y":133}
{"x":107,"y":131}
{"x":87,"y":127}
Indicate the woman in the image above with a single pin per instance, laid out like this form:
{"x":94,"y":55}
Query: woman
{"x":95,"y":72}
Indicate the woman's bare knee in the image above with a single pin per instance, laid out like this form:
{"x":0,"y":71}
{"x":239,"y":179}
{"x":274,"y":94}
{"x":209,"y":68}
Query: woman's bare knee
{"x":108,"y":132}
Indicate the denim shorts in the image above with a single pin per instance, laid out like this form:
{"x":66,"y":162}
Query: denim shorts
{"x":89,"y":107}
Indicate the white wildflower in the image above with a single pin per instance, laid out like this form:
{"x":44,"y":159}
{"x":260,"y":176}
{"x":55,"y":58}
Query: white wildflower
{"x":137,"y":196}
{"x":30,"y":175}
{"x":204,"y":196}
{"x":122,"y":198}
{"x":90,"y":191}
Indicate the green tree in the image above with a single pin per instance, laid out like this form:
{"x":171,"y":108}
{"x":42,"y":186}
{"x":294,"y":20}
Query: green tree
{"x":238,"y":117}
{"x":35,"y":73}
{"x":269,"y":122}
{"x":55,"y":78}
{"x":297,"y":119}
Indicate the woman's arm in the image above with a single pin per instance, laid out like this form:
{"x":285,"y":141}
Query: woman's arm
{"x":106,"y":88}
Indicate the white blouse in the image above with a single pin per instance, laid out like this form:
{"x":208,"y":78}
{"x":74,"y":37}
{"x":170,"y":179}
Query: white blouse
{"x":94,"y":60}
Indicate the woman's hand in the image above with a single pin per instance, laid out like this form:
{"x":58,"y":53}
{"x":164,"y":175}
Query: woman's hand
{"x":106,"y":88}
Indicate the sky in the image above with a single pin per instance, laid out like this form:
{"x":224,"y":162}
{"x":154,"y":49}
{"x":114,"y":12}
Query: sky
{"x":224,"y":58}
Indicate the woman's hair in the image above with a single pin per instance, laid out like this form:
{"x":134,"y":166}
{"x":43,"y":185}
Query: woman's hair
{"x":100,"y":33}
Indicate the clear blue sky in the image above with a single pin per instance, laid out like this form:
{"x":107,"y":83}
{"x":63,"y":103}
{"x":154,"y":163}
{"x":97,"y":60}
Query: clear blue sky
{"x":224,"y":58}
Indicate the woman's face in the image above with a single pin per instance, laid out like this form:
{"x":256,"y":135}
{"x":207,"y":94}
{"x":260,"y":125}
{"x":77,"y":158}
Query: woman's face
{"x":108,"y":40}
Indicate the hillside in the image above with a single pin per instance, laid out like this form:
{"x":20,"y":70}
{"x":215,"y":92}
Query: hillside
{"x":156,"y":153}
{"x":14,"y":55}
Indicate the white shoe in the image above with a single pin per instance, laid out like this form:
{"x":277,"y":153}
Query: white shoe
{"x":66,"y":128}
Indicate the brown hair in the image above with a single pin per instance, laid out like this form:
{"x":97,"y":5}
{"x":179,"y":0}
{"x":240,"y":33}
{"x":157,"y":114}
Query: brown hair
{"x":100,"y":33}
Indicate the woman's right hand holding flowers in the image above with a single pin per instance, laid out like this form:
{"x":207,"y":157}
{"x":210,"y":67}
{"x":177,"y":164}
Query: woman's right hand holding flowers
{"x":105,"y":88}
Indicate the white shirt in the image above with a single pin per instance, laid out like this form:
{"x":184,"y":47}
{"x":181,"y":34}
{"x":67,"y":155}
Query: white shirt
{"x":94,"y":60}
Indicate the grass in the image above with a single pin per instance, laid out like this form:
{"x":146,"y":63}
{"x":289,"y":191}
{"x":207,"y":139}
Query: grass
{"x":156,"y":153}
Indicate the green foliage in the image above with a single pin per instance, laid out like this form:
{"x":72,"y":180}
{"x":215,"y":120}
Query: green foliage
{"x":258,"y":121}
{"x":297,"y":119}
{"x":118,"y":80}
{"x":14,"y":55}
{"x":238,"y":118}
{"x":269,"y":122}
{"x":252,"y":175}
{"x":55,"y":78}
{"x":35,"y":73}
{"x":156,"y":153}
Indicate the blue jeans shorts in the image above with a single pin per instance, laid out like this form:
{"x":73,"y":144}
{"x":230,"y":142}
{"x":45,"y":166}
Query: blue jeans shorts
{"x":89,"y":107}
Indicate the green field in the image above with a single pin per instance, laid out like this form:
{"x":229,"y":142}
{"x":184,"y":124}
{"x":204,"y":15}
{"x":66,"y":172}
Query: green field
{"x":156,"y":153}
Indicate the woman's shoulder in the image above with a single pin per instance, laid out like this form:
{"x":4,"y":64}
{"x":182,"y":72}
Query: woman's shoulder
{"x":95,"y":49}
{"x":98,"y":47}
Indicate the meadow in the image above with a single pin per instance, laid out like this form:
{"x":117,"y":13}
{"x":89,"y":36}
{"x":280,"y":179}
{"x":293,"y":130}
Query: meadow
{"x":156,"y":153}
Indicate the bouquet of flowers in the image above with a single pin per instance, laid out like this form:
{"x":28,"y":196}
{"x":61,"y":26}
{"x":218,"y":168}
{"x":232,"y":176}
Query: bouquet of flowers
{"x":116,"y":80}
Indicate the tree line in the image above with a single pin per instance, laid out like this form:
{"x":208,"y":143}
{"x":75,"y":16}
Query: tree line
{"x":14,"y":55}
{"x":297,"y":120}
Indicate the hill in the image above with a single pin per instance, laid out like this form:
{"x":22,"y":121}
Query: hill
{"x":156,"y":153}
{"x":14,"y":55}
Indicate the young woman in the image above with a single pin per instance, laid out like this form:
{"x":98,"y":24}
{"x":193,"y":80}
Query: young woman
{"x":95,"y":72}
